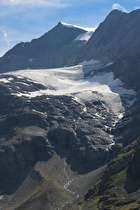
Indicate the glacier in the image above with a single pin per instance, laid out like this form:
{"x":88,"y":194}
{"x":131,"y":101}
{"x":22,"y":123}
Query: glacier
{"x":84,"y":82}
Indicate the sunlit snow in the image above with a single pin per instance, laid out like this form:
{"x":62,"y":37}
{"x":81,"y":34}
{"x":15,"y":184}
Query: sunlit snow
{"x":75,"y":26}
{"x":5,"y":80}
{"x":83,"y":82}
{"x":90,"y":62}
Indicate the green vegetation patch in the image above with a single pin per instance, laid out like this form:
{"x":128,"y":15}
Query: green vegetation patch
{"x":109,"y":192}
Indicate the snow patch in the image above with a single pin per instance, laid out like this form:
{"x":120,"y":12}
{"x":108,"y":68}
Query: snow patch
{"x":30,"y":60}
{"x":10,"y":78}
{"x":4,"y":80}
{"x":42,"y":113}
{"x":90,"y":62}
{"x":84,"y":36}
{"x":1,"y":197}
{"x":108,"y":64}
{"x":23,"y":83}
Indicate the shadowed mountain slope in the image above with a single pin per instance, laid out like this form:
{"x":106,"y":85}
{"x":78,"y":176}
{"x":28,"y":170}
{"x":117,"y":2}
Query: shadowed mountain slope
{"x":59,"y":47}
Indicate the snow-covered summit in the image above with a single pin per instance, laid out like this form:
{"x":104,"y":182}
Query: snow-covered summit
{"x":75,"y":26}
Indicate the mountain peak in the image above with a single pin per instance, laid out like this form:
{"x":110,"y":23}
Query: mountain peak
{"x":116,"y":14}
{"x":117,"y":11}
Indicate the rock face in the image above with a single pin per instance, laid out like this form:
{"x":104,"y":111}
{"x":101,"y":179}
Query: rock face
{"x":37,"y":128}
{"x":44,"y":52}
{"x":115,"y":36}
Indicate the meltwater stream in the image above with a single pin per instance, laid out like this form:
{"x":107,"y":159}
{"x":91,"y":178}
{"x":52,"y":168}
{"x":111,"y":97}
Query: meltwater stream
{"x":66,"y":187}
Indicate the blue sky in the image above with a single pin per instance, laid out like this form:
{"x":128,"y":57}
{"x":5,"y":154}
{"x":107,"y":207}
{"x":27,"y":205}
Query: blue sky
{"x":23,"y":20}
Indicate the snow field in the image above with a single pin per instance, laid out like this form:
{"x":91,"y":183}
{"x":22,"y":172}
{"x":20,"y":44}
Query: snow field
{"x":72,"y":81}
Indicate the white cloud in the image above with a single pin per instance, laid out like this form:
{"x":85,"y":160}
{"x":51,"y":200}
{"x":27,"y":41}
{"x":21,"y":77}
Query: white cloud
{"x":35,"y":3}
{"x":4,"y":44}
{"x":119,"y":7}
{"x":137,"y":7}
{"x":9,"y":38}
{"x":5,"y":36}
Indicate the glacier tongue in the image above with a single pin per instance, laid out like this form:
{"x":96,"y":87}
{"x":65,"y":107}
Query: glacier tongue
{"x":84,"y":82}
